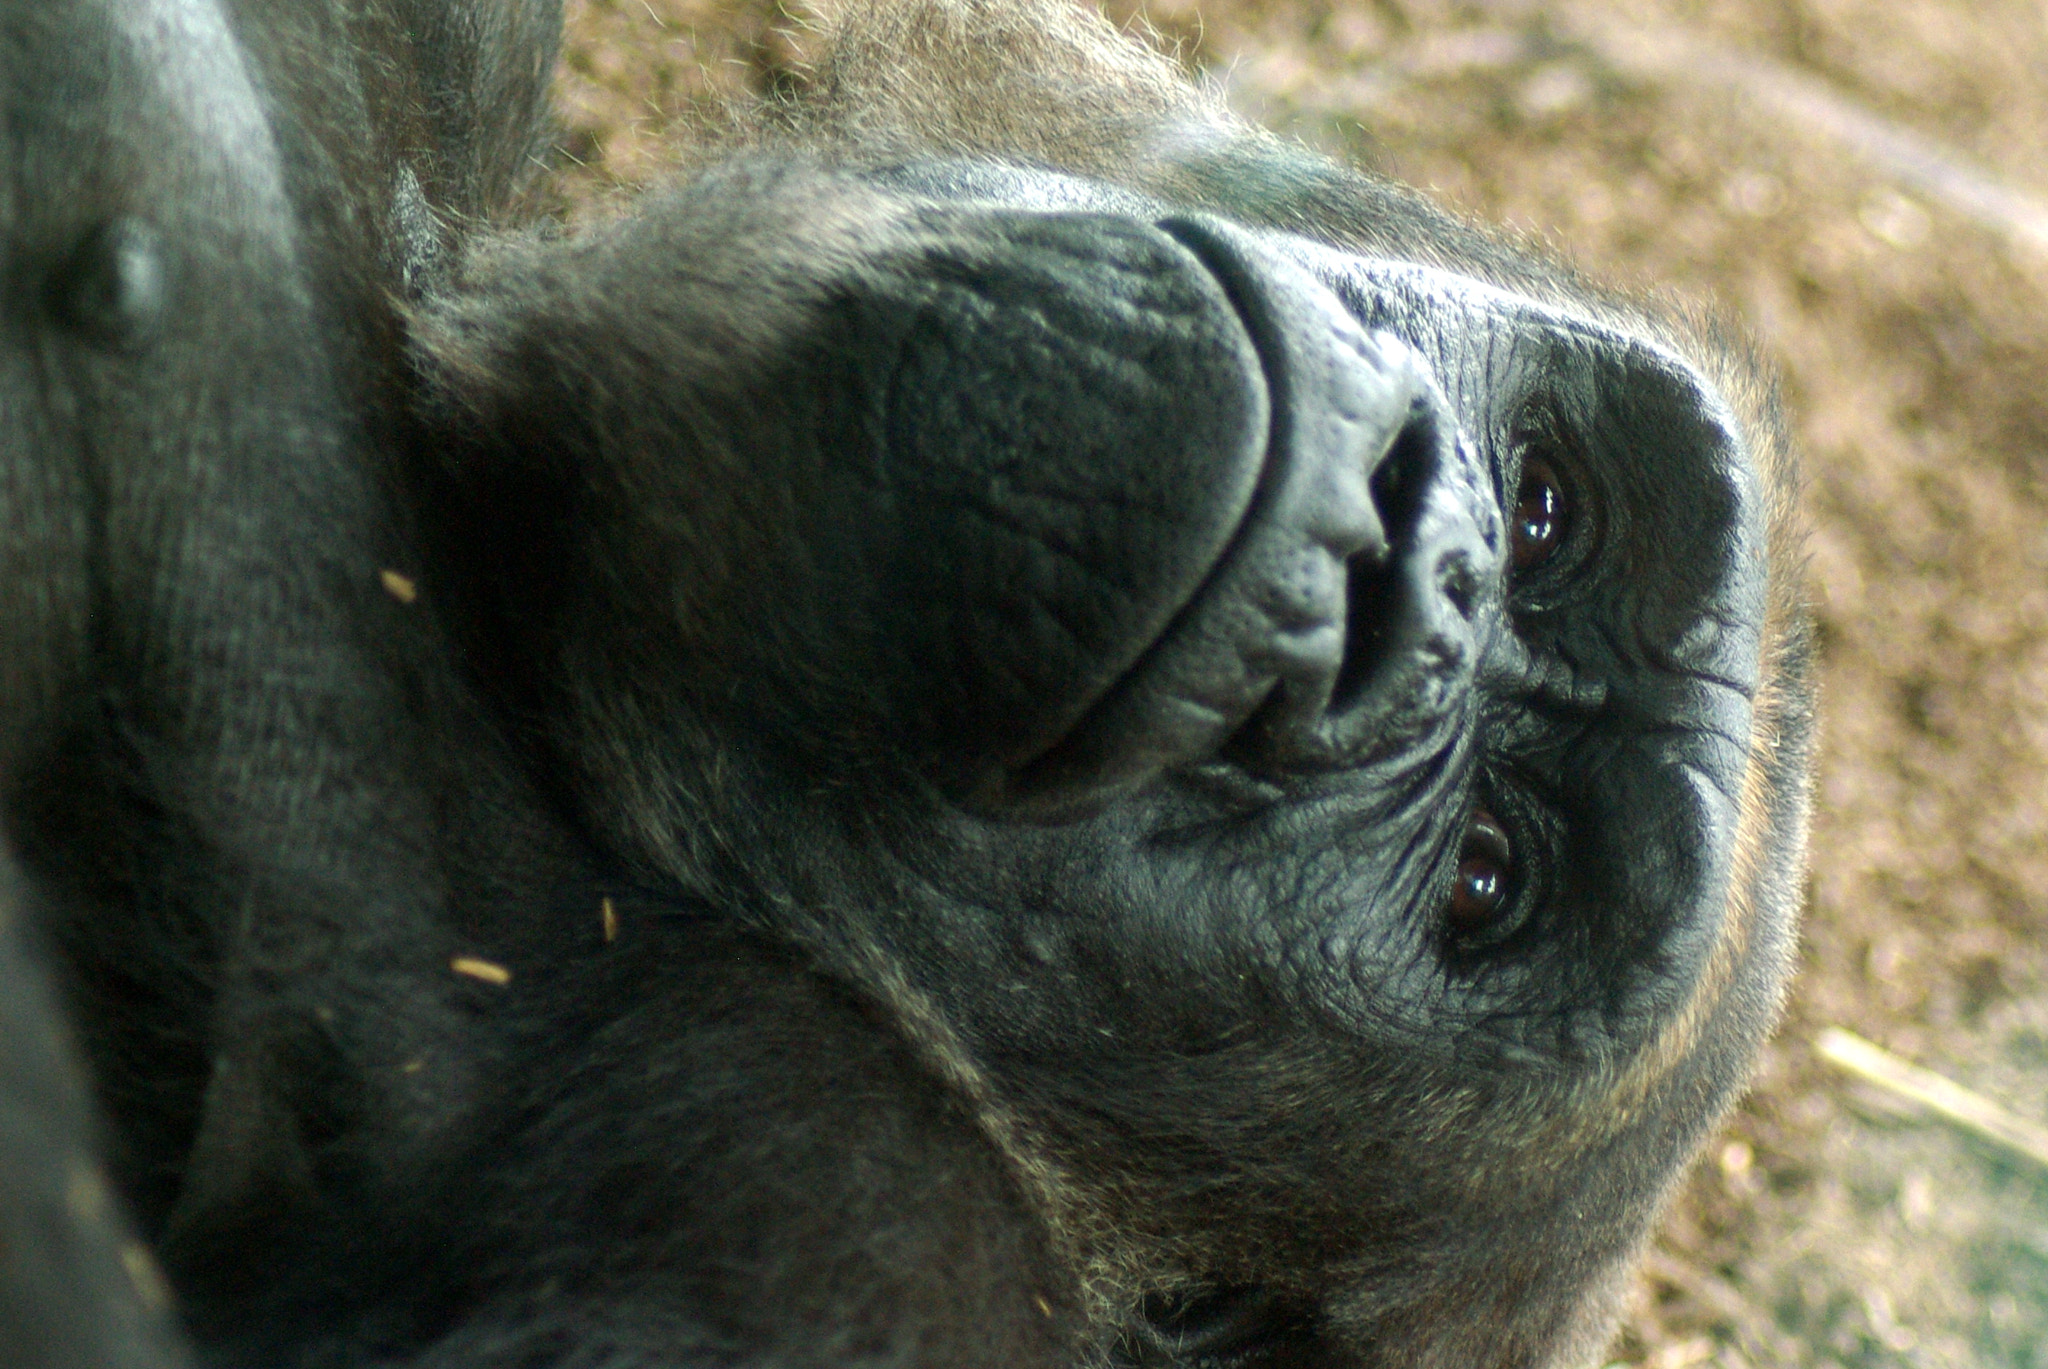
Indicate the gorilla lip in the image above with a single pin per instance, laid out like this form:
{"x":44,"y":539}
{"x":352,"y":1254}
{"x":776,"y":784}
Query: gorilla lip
{"x":1265,"y":632}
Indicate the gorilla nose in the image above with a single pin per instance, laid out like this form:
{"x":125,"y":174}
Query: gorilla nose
{"x":1386,"y":651}
{"x":1344,"y":618}
{"x":1413,"y":618}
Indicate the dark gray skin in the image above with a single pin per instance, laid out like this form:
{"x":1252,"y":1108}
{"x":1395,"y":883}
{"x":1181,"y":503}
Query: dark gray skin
{"x":1191,"y":764}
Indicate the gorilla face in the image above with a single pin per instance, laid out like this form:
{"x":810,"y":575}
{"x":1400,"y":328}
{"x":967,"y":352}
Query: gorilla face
{"x":1314,"y":737}
{"x":1012,"y":725}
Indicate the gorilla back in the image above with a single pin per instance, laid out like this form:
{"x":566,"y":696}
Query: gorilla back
{"x":1012,"y":724}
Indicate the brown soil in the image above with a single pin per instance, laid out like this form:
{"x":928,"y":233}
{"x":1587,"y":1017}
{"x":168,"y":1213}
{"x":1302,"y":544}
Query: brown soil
{"x":1746,"y":152}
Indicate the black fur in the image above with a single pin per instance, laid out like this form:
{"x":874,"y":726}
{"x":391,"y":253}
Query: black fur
{"x":864,"y":763}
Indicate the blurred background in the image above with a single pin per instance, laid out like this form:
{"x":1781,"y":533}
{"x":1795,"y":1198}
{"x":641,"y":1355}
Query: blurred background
{"x":1861,"y":185}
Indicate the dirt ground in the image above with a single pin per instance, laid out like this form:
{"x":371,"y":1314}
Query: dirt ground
{"x":1864,"y":184}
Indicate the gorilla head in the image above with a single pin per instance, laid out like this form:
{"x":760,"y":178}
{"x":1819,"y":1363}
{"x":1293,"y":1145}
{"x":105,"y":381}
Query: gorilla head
{"x":1047,"y":732}
{"x":1302,"y":726}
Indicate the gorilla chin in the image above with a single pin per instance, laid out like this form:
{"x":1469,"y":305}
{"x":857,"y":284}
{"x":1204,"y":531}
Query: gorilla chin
{"x":1012,"y":724}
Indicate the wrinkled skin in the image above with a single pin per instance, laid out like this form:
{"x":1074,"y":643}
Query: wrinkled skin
{"x":894,"y":756}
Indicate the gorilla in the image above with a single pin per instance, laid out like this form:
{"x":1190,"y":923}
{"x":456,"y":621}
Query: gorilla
{"x":1013,"y":724}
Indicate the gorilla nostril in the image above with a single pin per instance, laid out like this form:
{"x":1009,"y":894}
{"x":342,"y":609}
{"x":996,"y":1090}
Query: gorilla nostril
{"x":1458,"y":582}
{"x":1411,"y":462}
{"x":1367,"y":592}
{"x":1398,"y":487}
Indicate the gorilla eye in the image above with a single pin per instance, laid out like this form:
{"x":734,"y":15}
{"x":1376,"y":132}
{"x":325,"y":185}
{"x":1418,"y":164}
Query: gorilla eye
{"x":1539,"y":518}
{"x":1485,"y":870}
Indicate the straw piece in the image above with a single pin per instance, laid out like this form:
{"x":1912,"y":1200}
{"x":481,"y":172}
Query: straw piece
{"x":1962,"y":1108}
{"x":489,"y":971}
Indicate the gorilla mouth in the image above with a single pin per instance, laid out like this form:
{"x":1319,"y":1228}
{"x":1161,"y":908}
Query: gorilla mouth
{"x":1291,"y":623}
